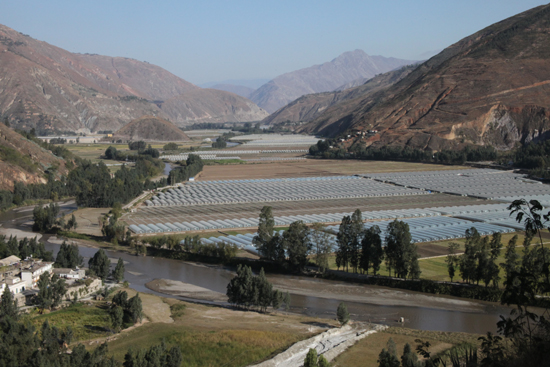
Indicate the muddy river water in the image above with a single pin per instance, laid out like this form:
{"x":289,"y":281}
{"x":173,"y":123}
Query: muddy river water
{"x":426,"y":312}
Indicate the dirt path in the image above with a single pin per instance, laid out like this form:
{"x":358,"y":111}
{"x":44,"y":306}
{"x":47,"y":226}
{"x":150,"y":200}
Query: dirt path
{"x":331,"y":343}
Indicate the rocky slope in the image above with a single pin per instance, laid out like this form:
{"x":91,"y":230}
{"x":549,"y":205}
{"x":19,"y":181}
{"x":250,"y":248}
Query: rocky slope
{"x":489,"y":88}
{"x":151,"y":128}
{"x":48,"y":88}
{"x":326,"y":77}
{"x":210,"y":105}
{"x":310,"y":106}
{"x":23,"y":160}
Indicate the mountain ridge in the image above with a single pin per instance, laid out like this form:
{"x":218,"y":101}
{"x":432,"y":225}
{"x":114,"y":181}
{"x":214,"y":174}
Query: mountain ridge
{"x":489,"y":88}
{"x":50,"y":89}
{"x":349,"y":66}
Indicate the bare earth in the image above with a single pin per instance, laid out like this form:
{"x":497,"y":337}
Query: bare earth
{"x":329,"y":290}
{"x":369,"y":294}
{"x":177,"y":288}
{"x":312,"y":168}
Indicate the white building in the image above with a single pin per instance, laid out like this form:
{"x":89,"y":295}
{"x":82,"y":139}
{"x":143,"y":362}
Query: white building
{"x":10,"y":260}
{"x":14,"y":284}
{"x":31,"y":275}
{"x":70,"y":273}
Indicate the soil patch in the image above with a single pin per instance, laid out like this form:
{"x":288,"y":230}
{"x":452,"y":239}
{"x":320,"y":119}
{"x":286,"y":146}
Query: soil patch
{"x":177,"y":288}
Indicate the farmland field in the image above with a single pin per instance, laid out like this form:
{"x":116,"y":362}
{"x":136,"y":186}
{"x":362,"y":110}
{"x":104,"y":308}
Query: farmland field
{"x":313,"y":168}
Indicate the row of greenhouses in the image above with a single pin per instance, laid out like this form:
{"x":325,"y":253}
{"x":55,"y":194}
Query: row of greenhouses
{"x":480,"y":183}
{"x":267,"y":190}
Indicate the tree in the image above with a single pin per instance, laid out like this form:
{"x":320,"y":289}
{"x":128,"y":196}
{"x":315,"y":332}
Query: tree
{"x":239,"y":289}
{"x":320,"y":239}
{"x":45,"y":218}
{"x":452,"y":259}
{"x":265,"y":232}
{"x":100,"y":264}
{"x":409,"y":358}
{"x":121,"y":299}
{"x":117,"y":315}
{"x":50,"y":291}
{"x":372,"y":252}
{"x":344,"y":238}
{"x":297,"y":244}
{"x":8,"y":306}
{"x":311,"y":358}
{"x":277,"y":299}
{"x":71,"y":224}
{"x":511,"y":258}
{"x":342,"y":314}
{"x":468,"y":259}
{"x":388,"y":355}
{"x":135,"y":309}
{"x":493,"y":270}
{"x":287,"y":300}
{"x":118,"y":272}
{"x":111,"y":152}
{"x":68,"y":256}
{"x":401,"y":252}
{"x":356,"y":231}
{"x":322,"y":361}
{"x":264,"y":290}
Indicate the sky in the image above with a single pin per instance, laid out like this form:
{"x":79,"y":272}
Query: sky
{"x":214,"y":40}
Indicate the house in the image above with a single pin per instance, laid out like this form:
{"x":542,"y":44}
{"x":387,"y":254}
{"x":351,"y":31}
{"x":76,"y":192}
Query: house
{"x":70,"y":273}
{"x":10,"y":260}
{"x":15,"y":285}
{"x":31,"y":274}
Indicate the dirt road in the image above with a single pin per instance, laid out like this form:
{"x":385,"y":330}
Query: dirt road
{"x":331,"y":343}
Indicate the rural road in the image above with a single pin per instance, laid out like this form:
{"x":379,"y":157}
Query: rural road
{"x":331,"y":343}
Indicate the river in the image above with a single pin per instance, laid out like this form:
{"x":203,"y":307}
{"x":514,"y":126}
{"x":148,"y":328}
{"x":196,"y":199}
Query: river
{"x":141,"y":270}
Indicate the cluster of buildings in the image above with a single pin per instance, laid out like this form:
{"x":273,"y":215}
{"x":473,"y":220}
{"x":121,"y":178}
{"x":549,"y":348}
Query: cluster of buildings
{"x":21,"y":276}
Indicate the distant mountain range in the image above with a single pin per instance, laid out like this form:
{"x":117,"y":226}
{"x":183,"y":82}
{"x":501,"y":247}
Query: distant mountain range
{"x":348,"y":67}
{"x":48,"y":88}
{"x":490,"y":88}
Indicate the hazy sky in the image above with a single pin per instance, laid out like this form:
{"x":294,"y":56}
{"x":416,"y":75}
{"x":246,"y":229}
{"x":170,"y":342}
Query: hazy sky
{"x":208,"y":40}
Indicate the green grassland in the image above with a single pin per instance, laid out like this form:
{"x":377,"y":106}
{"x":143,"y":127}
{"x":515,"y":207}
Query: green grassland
{"x":86,"y":321}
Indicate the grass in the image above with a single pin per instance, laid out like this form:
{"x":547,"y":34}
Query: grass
{"x":87,"y":322}
{"x":365,"y":352}
{"x":207,"y":347}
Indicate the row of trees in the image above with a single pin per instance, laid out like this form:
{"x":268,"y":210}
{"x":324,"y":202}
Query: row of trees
{"x":193,"y":165}
{"x":397,"y":153}
{"x":248,"y":291}
{"x":23,"y":248}
{"x":124,"y":309}
{"x":112,"y":153}
{"x":99,"y":265}
{"x":45,"y":218}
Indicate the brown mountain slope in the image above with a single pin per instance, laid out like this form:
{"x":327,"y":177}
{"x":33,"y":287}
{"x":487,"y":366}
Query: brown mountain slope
{"x":210,"y":105}
{"x":310,"y":106}
{"x":489,"y":88}
{"x":128,"y":76}
{"x":48,"y":88}
{"x":23,"y":160}
{"x":326,"y":77}
{"x":151,"y":128}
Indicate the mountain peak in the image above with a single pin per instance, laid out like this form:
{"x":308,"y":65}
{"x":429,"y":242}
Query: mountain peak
{"x":349,"y":66}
